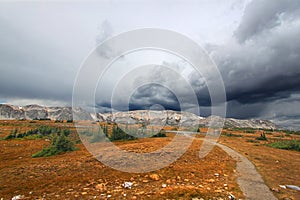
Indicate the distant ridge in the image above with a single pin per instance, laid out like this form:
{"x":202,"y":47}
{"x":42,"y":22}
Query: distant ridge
{"x":168,"y":117}
{"x":31,"y":112}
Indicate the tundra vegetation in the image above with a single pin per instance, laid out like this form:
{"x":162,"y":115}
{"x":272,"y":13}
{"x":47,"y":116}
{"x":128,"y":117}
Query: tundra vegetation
{"x":60,"y":140}
{"x":115,"y":132}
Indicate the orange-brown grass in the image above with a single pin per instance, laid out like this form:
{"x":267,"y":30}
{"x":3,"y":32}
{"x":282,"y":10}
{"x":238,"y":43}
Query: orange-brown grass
{"x":78,"y":175}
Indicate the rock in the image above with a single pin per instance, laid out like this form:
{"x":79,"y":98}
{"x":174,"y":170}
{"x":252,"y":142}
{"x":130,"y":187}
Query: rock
{"x":108,"y":196}
{"x":164,"y":185}
{"x":154,"y":177}
{"x":168,"y":181}
{"x":217,"y":175}
{"x":127,"y":185}
{"x":275,"y":190}
{"x":211,"y":180}
{"x":84,"y":193}
{"x":231,"y":196}
{"x":186,"y":180}
{"x":101,"y":187}
{"x":18,"y":197}
{"x":293,"y":187}
{"x":282,"y":186}
{"x":145,"y":181}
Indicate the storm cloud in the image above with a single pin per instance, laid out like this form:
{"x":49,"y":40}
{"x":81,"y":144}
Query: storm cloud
{"x":255,"y":45}
{"x":260,"y":65}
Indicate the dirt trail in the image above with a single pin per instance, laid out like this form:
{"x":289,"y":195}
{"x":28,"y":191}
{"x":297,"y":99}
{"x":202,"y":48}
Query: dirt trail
{"x":249,"y":180}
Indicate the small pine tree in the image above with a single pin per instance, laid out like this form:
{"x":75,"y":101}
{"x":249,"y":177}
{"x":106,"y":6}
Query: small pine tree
{"x":59,"y":144}
{"x":119,"y":134}
{"x":12,"y":135}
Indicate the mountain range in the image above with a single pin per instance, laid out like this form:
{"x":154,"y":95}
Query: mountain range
{"x":152,"y":117}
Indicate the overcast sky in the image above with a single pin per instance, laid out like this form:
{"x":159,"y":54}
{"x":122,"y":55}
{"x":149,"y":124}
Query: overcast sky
{"x":255,"y":45}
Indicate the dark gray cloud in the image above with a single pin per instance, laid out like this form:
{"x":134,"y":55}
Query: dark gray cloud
{"x":258,"y":54}
{"x":261,"y":16}
{"x":147,"y":96}
{"x":261,"y":64}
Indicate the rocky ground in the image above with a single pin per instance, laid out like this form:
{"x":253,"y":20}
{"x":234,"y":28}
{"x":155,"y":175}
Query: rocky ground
{"x":78,"y":175}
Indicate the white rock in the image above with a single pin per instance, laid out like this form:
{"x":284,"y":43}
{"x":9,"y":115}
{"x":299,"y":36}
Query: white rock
{"x":127,"y":185}
{"x":293,"y":187}
{"x":231,"y":196}
{"x":18,"y":197}
{"x":282,"y":186}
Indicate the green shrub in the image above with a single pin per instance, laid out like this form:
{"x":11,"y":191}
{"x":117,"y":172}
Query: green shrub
{"x":34,"y":137}
{"x":59,"y":144}
{"x":44,"y":119}
{"x":66,"y":132}
{"x":252,"y":141}
{"x":12,"y":135}
{"x":119,"y":134}
{"x":249,"y":131}
{"x":161,"y":133}
{"x":288,"y":145}
{"x":41,"y":131}
{"x":262,"y":137}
